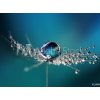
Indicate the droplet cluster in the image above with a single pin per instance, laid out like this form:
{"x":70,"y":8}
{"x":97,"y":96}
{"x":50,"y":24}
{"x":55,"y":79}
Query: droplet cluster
{"x":68,"y":58}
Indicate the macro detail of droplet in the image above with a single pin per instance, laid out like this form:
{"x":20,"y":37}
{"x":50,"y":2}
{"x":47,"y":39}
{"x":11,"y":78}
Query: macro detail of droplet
{"x":50,"y":50}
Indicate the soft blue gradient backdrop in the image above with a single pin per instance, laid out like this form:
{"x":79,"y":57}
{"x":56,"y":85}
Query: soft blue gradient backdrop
{"x":68,"y":30}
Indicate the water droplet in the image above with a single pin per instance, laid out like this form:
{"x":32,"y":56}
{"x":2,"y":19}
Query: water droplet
{"x":89,"y":52}
{"x":94,"y":46}
{"x":93,"y":62}
{"x":11,"y":46}
{"x":86,"y":49}
{"x":90,"y":62}
{"x":77,"y":71}
{"x":26,"y":69}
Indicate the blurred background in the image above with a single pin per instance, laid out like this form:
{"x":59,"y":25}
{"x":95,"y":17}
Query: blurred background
{"x":72,"y":31}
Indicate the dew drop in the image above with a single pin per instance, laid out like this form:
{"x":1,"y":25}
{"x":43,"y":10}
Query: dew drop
{"x":90,"y":62}
{"x":76,"y":71}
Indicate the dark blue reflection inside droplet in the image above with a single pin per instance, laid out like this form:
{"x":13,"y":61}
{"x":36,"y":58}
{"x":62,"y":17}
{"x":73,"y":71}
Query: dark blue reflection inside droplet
{"x":51,"y":50}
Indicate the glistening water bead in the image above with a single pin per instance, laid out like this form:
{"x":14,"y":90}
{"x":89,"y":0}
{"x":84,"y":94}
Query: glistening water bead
{"x":50,"y":50}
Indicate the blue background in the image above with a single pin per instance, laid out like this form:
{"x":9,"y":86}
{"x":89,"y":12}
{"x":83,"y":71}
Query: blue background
{"x":68,"y":30}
